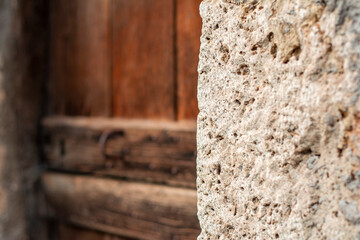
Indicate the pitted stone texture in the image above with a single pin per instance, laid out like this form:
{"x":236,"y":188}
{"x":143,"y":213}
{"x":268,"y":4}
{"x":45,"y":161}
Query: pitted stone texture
{"x":279,"y":121}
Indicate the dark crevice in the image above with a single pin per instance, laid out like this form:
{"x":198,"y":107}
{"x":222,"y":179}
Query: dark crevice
{"x":294,"y":52}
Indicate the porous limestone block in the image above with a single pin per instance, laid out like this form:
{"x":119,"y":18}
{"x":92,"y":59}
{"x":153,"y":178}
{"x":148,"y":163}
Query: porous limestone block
{"x":279,"y":122}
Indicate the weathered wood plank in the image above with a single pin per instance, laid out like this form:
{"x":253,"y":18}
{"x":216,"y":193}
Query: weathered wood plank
{"x":188,"y":23}
{"x":137,"y":210}
{"x":143,"y":59}
{"x":80,"y":57}
{"x":163,"y":152}
{"x":69,"y":232}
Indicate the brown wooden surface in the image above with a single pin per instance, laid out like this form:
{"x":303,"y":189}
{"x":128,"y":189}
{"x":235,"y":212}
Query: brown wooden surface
{"x":23,"y":74}
{"x":188,"y":45}
{"x":143,"y":59}
{"x":143,"y":211}
{"x":80,"y":57}
{"x":69,"y":232}
{"x":157,"y":151}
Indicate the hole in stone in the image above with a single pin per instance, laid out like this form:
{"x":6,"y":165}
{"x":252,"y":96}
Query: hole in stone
{"x":218,"y":169}
{"x":335,"y":213}
{"x":305,"y":151}
{"x":271,"y":36}
{"x":295,"y":52}
{"x":219,"y":137}
{"x":243,"y":70}
{"x":340,"y":152}
{"x":229,"y":227}
{"x":273,"y":50}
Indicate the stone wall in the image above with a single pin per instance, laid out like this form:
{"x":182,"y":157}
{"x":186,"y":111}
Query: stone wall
{"x":279,"y":122}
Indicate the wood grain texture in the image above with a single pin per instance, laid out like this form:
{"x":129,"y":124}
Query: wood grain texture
{"x":70,"y":232}
{"x":188,"y":44}
{"x":23,"y":74}
{"x":143,"y":59}
{"x":80,"y":58}
{"x":156,"y":151}
{"x":137,"y":210}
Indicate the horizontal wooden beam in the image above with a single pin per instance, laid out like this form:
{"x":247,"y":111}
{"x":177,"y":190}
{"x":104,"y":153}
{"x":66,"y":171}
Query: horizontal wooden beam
{"x":64,"y":231}
{"x":155,"y":151}
{"x":137,"y":210}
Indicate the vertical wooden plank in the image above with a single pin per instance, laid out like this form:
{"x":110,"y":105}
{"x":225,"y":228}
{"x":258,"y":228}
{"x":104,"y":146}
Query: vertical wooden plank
{"x":143,"y":58}
{"x":188,"y":44}
{"x":80,"y":58}
{"x":23,"y":72}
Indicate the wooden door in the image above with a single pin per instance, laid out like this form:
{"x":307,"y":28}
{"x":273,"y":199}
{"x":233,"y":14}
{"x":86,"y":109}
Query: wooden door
{"x":119,"y":138}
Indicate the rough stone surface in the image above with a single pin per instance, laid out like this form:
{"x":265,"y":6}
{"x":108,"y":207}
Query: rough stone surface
{"x":279,"y":121}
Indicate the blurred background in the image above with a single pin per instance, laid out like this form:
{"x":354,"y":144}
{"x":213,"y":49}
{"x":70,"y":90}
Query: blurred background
{"x":98,"y":119}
